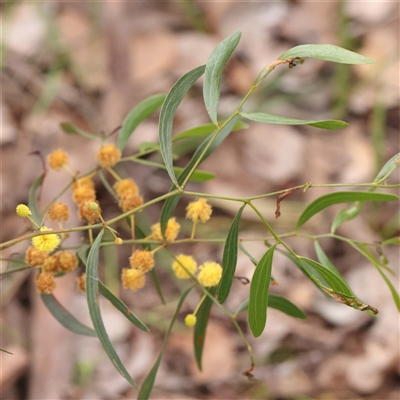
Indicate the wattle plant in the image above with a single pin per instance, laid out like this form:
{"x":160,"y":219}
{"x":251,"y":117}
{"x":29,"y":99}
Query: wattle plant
{"x":215,"y":277}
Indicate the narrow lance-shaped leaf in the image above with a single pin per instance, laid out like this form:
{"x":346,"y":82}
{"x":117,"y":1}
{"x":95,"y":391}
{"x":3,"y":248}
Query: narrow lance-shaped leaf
{"x":281,"y":120}
{"x":199,"y":334}
{"x":148,"y":383}
{"x":324,"y":260}
{"x":340,"y":197}
{"x":259,"y":289}
{"x":388,"y":168}
{"x":229,"y":258}
{"x":138,"y":114}
{"x":122,"y":307}
{"x":171,"y":203}
{"x":347,"y":214}
{"x":92,"y":280}
{"x":171,"y":103}
{"x":335,"y":282}
{"x":65,"y":318}
{"x":213,"y":74}
{"x":71,"y":129}
{"x":205,"y":130}
{"x":327,"y":52}
{"x":279,"y":303}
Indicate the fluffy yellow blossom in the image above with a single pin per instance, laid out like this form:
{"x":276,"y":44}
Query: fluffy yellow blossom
{"x":85,"y":213}
{"x":67,"y":261}
{"x":190,"y":320}
{"x":51,"y":264}
{"x":86,"y":181}
{"x":108,"y":155}
{"x":82,"y":194}
{"x":59,"y":212}
{"x":45,"y":283}
{"x":171,"y":232}
{"x":210,"y":274}
{"x":198,"y":210}
{"x":23,"y":211}
{"x":129,"y":202}
{"x":142,"y":260}
{"x":126,"y":186}
{"x":57,"y":159}
{"x":132,"y":279}
{"x":34,"y":257}
{"x":46,"y":243}
{"x":188,"y":262}
{"x":81,"y":282}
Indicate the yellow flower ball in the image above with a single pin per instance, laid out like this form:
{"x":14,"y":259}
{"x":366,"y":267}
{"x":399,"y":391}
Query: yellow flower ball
{"x":23,"y":211}
{"x":132,"y":279}
{"x":126,"y":186}
{"x":67,"y":261}
{"x":171,"y":232}
{"x":46,"y":243}
{"x":34,"y":257}
{"x":45,"y":283}
{"x":81,"y":282}
{"x":59,"y":212}
{"x":142,"y":260}
{"x":210,"y":274}
{"x":190,"y":320}
{"x":198,"y":210}
{"x":57,"y":159}
{"x":188,"y":262}
{"x":108,"y":155}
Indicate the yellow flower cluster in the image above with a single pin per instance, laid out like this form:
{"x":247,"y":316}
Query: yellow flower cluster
{"x":59,"y":212}
{"x":23,"y":211}
{"x":108,"y":155}
{"x":171,"y":232}
{"x":141,"y":261}
{"x":198,"y":210}
{"x":210,"y":274}
{"x":128,"y":194}
{"x":46,"y":243}
{"x":83,"y":193}
{"x":183,"y":265}
{"x":63,"y":261}
{"x":58,"y":159}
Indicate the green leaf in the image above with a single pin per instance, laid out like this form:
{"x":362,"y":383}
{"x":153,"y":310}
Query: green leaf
{"x":327,"y":52}
{"x":213,"y":74}
{"x":335,"y":282}
{"x":71,"y":129}
{"x":282,"y":304}
{"x":138,"y":114}
{"x":388,"y":168}
{"x":393,"y":240}
{"x":32,"y":199}
{"x":229,"y":259}
{"x":340,"y":197}
{"x":259,"y":288}
{"x":148,"y":383}
{"x":205,"y":130}
{"x":362,"y":249}
{"x":171,"y":203}
{"x":66,"y":319}
{"x":347,"y":214}
{"x":82,"y":252}
{"x":122,"y":307}
{"x":13,"y":270}
{"x":280,"y":120}
{"x":199,"y":334}
{"x":108,"y":187}
{"x":171,"y":103}
{"x":324,"y":260}
{"x":279,"y":303}
{"x":92,"y":284}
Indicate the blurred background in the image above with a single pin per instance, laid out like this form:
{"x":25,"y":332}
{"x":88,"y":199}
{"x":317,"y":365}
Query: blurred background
{"x":90,"y":63}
